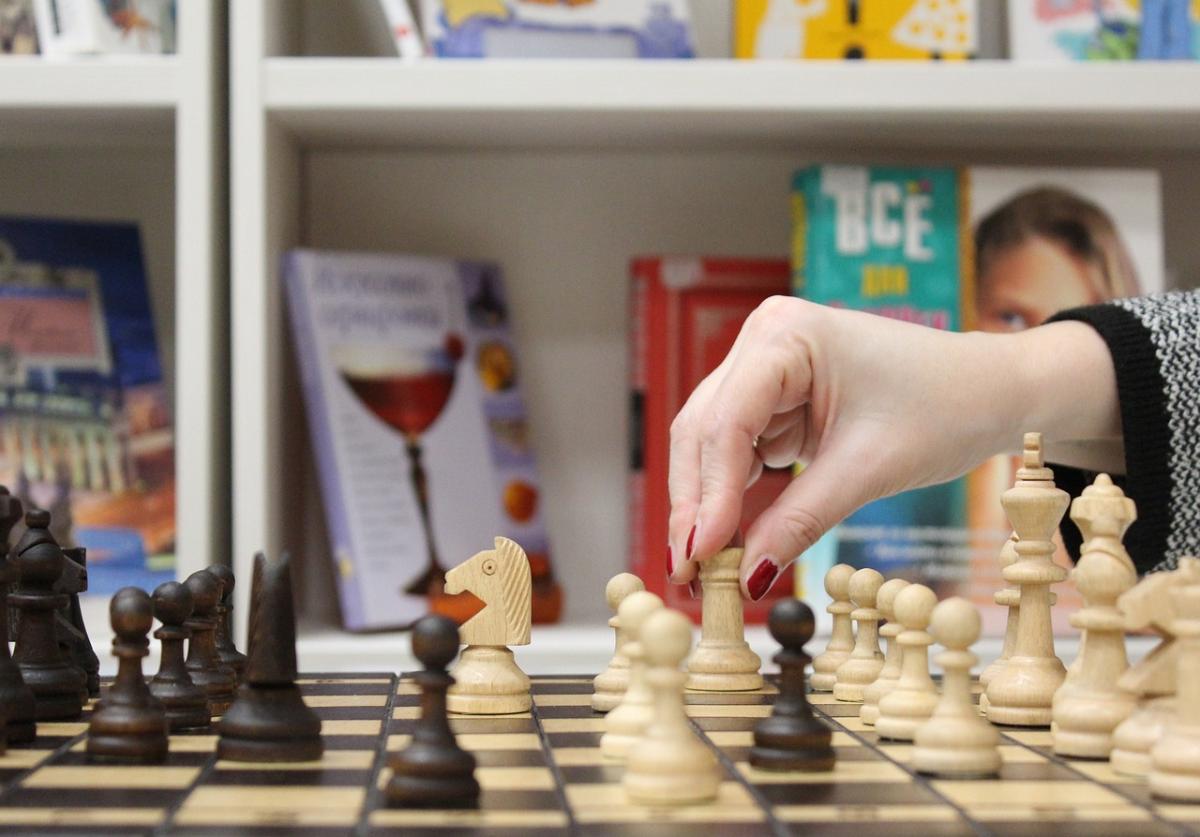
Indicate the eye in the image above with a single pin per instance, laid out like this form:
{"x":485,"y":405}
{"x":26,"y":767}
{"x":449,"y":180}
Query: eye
{"x":489,"y":567}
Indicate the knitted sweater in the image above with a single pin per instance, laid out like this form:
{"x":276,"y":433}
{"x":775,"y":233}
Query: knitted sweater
{"x":1155,"y":346}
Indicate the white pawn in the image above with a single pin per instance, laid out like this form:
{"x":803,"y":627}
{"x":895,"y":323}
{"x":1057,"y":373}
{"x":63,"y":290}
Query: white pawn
{"x":610,"y":684}
{"x":890,"y":673}
{"x":624,"y":725}
{"x":669,"y":765}
{"x":841,"y":640}
{"x":1175,"y":759}
{"x":914,"y":698}
{"x":865,"y":661}
{"x":1010,"y":598}
{"x":956,"y":742}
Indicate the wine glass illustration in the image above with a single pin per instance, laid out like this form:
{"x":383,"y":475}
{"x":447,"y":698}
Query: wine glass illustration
{"x":407,"y":389}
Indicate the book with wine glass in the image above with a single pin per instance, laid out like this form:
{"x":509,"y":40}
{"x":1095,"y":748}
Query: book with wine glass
{"x":417,"y":426}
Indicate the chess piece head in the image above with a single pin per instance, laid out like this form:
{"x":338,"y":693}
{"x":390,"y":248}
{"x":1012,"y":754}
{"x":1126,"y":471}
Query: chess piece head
{"x":864,"y":587}
{"x":131,"y":614}
{"x":435,"y":641}
{"x":837,"y":582}
{"x":172,"y":603}
{"x":1103,"y":510}
{"x":205,"y":590}
{"x":792,"y":624}
{"x":224,"y":575}
{"x":619,"y":587}
{"x":914,"y":606}
{"x":666,"y":637}
{"x":501,"y":578}
{"x":885,"y":599}
{"x":955,"y":623}
{"x":636,"y":608}
{"x":40,"y":557}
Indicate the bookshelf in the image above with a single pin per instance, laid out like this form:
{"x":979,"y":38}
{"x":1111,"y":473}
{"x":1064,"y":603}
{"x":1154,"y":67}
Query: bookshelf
{"x":561,"y":172}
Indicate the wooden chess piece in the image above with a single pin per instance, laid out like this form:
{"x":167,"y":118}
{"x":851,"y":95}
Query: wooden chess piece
{"x":723,"y":661}
{"x":69,"y":625}
{"x":956,"y":743}
{"x":1008,"y":597}
{"x":1022,"y":693}
{"x":16,"y":698}
{"x":269,"y":721}
{"x":206,"y":669}
{"x":185,"y":703}
{"x":669,"y":765}
{"x":129,"y":724}
{"x":914,"y":697}
{"x":610,"y":684}
{"x":624,"y":725}
{"x":890,"y":673}
{"x":223,"y":635}
{"x":55,"y":682}
{"x":791,"y":737}
{"x":1175,"y":758}
{"x":866,"y":661}
{"x":1090,"y":705}
{"x":841,"y":639}
{"x":487,"y":678}
{"x":433,"y":771}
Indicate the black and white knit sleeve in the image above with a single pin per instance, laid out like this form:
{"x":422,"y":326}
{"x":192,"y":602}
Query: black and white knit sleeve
{"x":1155,"y":346}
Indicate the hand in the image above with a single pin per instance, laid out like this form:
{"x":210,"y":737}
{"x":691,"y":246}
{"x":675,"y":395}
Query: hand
{"x":871,"y":407}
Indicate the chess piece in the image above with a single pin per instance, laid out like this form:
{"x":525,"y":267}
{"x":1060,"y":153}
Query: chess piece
{"x":610,"y":684}
{"x":69,"y":626}
{"x":1021,"y":693}
{"x":129,"y":724}
{"x":206,"y":669}
{"x":866,"y":661}
{"x":185,"y":703}
{"x":956,"y":743}
{"x":16,"y":698}
{"x":55,"y":683}
{"x":890,"y":673}
{"x":433,"y":770}
{"x":269,"y":721}
{"x":1175,"y":758}
{"x":1135,"y":737}
{"x":487,"y":679}
{"x":1010,"y":598}
{"x":669,"y":765}
{"x":792,"y":738}
{"x":723,"y":661}
{"x":223,"y":635}
{"x":914,"y":697}
{"x":1089,"y":705}
{"x":841,"y":640}
{"x":624,"y":725}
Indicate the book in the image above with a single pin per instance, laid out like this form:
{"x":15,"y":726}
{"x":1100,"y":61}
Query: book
{"x":99,"y":27}
{"x":418,"y":427}
{"x":558,"y":28}
{"x":1104,"y":30}
{"x":898,"y":29}
{"x":85,"y":419}
{"x":943,"y":247}
{"x":18,"y":28}
{"x":409,"y":45}
{"x":685,"y":313}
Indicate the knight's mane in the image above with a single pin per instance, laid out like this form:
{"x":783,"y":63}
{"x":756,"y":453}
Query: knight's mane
{"x":516,"y":586}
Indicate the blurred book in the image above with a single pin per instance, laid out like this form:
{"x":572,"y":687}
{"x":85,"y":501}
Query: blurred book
{"x":85,"y":420}
{"x":1104,"y":30}
{"x":862,"y":29}
{"x":18,"y":28}
{"x":685,"y":314}
{"x":558,"y":28}
{"x":995,"y":249}
{"x":403,"y":28}
{"x":418,"y":427}
{"x":105,"y":27}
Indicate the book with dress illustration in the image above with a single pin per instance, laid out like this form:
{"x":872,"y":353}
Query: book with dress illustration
{"x":995,"y":249}
{"x":418,"y":427}
{"x":1104,"y":30}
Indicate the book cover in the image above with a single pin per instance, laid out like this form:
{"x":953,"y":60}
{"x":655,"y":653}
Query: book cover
{"x":685,"y":314}
{"x":85,"y":419}
{"x":558,"y":28}
{"x":954,"y":248}
{"x":831,"y":29}
{"x":18,"y":29}
{"x":418,"y":426}
{"x":1104,"y":30}
{"x":107,"y":27}
{"x":409,"y":45}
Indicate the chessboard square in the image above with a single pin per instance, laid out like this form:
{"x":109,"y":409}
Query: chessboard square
{"x":115,"y":818}
{"x":1046,"y":771}
{"x":586,"y":774}
{"x":329,"y":701}
{"x":1058,"y":814}
{"x":290,"y":778}
{"x":545,"y":700}
{"x":498,"y":724}
{"x":1084,"y":827}
{"x":726,"y":698}
{"x":90,"y":797}
{"x":479,"y":741}
{"x":855,"y":724}
{"x":545,"y":712}
{"x":510,"y":758}
{"x":1102,"y":772}
{"x":1178,"y":811}
{"x":60,"y":729}
{"x":354,"y":727}
{"x":1029,"y":737}
{"x":558,"y":740}
{"x":725,"y":711}
{"x":652,"y":826}
{"x":847,"y":771}
{"x":824,"y":699}
{"x":726,"y":724}
{"x":23,"y":759}
{"x":830,"y":792}
{"x":579,"y":757}
{"x":77,"y":755}
{"x":489,"y":819}
{"x":271,"y":805}
{"x":193,"y":743}
{"x":731,"y":738}
{"x":557,"y":725}
{"x":515,"y":778}
{"x":349,"y":713}
{"x":883,"y":814}
{"x":608,"y":804}
{"x":331,"y":760}
{"x":407,"y":688}
{"x":1055,"y":795}
{"x":841,"y":709}
{"x":151,"y":777}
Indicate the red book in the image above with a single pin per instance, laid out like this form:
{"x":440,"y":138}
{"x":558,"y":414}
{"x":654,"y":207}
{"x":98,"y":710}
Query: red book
{"x":686,"y":313}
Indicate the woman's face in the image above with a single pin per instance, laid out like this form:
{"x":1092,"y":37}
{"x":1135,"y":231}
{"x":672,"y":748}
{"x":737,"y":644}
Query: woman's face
{"x":1027,"y":284}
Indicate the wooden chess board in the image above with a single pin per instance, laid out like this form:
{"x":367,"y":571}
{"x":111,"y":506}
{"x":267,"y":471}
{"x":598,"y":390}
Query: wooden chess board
{"x":542,"y":773}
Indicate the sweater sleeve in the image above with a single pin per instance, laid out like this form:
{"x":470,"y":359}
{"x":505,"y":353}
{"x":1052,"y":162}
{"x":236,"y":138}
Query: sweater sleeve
{"x":1155,"y":347}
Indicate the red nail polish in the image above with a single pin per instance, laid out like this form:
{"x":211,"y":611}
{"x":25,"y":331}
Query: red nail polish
{"x":690,"y":540}
{"x":761,"y":579}
{"x":694,"y":587}
{"x":670,"y":562}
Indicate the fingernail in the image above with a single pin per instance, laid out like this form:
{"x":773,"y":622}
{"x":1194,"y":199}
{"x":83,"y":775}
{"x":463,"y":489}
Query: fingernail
{"x":694,"y":587}
{"x":670,"y":563}
{"x":691,"y":540}
{"x":762,"y":577}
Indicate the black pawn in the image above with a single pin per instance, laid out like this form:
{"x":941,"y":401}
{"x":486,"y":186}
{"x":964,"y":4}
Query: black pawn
{"x":129,"y":724}
{"x":792,"y":738}
{"x":223,"y":637}
{"x":207,"y":671}
{"x":56,"y":683}
{"x":269,"y":721}
{"x":16,"y":698}
{"x":185,"y":702}
{"x":433,"y":770}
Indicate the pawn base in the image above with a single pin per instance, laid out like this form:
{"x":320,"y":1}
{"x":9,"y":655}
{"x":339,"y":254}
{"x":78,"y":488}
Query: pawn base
{"x":816,"y":760}
{"x":233,"y":748}
{"x":824,"y":681}
{"x":1178,"y":787}
{"x":188,"y":718}
{"x":127,"y":749}
{"x":606,"y":701}
{"x":869,"y":714}
{"x":432,"y":792}
{"x":20,"y":732}
{"x":700,"y":681}
{"x":63,"y":706}
{"x":956,"y":763}
{"x":269,"y":723}
{"x":488,"y":682}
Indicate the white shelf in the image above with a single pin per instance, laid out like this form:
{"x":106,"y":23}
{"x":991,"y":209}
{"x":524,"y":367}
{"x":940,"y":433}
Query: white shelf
{"x":371,"y":101}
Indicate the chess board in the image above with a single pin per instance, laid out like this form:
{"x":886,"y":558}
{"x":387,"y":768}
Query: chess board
{"x":542,"y":773}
